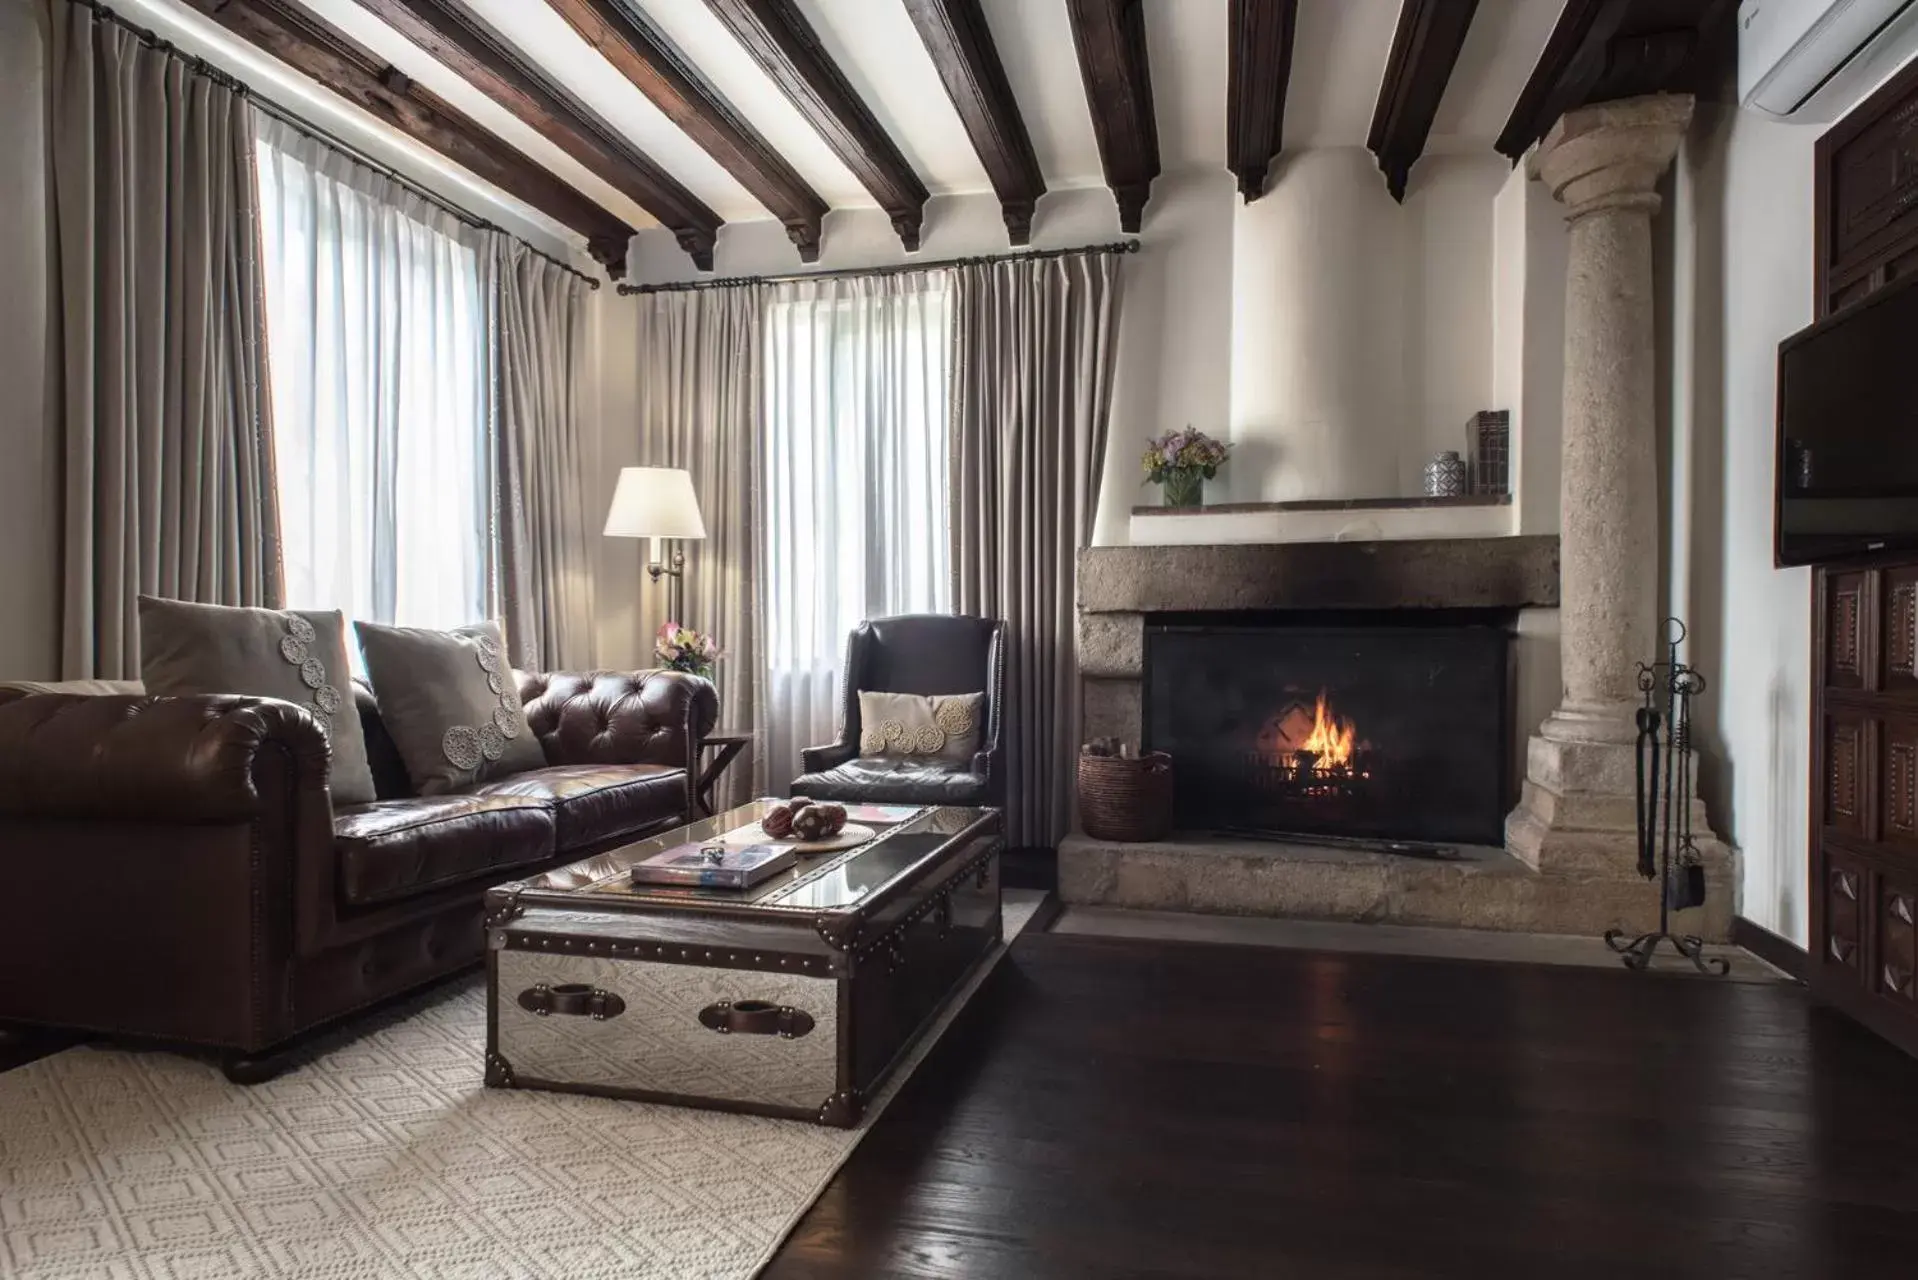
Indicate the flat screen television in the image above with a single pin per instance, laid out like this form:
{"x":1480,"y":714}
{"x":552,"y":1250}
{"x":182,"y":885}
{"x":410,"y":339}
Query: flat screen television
{"x":1847,"y":466}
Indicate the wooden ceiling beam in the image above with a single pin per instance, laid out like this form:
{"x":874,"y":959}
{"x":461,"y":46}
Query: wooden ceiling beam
{"x":1257,"y":73}
{"x":1425,"y":49}
{"x":643,"y":54}
{"x":1110,"y":38}
{"x":326,"y":55}
{"x":788,"y":50}
{"x":956,"y":35}
{"x":478,"y":55}
{"x":1603,"y":50}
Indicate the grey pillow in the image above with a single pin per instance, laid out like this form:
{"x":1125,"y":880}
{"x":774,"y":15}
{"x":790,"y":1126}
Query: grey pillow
{"x":297,"y":655}
{"x":449,"y":700}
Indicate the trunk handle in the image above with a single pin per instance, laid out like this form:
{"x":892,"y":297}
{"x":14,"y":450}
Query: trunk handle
{"x":571,"y":999}
{"x":756,"y":1018}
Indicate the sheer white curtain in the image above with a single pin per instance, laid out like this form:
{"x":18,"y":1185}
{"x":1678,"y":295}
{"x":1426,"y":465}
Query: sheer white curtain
{"x":380,"y":362}
{"x":854,"y":495}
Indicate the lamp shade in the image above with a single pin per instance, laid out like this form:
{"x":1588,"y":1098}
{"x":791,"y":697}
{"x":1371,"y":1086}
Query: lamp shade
{"x":654,"y":502}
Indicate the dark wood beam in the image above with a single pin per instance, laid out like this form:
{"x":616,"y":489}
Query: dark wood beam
{"x":1425,"y":48}
{"x":787,"y":49}
{"x":956,"y":35}
{"x":656,"y":67}
{"x":326,"y":55}
{"x":1260,"y":66}
{"x":1602,"y":50}
{"x":1110,"y":38}
{"x":483,"y":59}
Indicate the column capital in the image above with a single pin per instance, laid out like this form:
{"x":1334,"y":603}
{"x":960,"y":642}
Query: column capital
{"x":1610,"y":155}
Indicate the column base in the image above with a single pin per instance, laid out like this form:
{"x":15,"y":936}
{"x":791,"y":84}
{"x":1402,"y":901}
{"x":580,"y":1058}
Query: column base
{"x":1577,"y":820}
{"x":1607,"y":723}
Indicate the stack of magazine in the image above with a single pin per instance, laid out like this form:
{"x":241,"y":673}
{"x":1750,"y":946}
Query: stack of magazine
{"x":714,"y":865}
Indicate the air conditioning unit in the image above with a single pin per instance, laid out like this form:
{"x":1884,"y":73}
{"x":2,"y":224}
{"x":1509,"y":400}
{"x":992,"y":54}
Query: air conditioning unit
{"x":1813,"y":60}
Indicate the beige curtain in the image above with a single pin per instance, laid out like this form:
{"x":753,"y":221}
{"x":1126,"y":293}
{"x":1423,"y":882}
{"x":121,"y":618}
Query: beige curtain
{"x":1034,"y":346}
{"x":857,"y":453}
{"x":700,"y":408}
{"x":168,"y":485}
{"x":546,"y":542}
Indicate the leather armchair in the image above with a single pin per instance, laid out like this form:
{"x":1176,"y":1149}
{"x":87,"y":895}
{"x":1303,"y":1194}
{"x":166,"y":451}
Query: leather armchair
{"x":178,"y":870}
{"x":926,"y":654}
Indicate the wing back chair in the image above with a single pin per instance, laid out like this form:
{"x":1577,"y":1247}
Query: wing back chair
{"x":927,"y":654}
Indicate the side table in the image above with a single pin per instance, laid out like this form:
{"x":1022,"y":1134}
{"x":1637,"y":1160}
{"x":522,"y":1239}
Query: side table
{"x":727,"y":747}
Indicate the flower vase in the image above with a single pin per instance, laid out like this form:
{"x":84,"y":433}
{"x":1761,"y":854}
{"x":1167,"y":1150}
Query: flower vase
{"x":1184,"y":488}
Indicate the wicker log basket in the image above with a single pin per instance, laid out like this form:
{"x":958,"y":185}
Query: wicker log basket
{"x":1126,"y":798}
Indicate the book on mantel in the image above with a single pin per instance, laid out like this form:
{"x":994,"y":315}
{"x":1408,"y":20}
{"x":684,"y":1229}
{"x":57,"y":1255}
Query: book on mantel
{"x":714,"y":865}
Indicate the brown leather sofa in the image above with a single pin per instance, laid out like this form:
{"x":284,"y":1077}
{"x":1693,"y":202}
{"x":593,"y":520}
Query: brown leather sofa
{"x":175,"y":868}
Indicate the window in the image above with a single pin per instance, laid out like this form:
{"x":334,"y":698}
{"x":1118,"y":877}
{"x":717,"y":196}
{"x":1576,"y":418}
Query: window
{"x":378,"y":352}
{"x":854,"y":480}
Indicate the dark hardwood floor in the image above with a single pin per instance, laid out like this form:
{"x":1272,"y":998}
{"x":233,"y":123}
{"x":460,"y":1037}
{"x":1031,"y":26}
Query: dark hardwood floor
{"x":1114,"y":1109}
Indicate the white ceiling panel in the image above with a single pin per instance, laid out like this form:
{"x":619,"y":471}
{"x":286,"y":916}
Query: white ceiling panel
{"x":709,"y":46}
{"x":879,"y":50}
{"x":1034,"y":39}
{"x":547,"y":41}
{"x":1501,"y":48}
{"x":1187,"y":47}
{"x":1338,"y":63}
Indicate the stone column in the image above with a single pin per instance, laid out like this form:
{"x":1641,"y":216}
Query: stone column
{"x":1602,"y":163}
{"x":1577,"y":816}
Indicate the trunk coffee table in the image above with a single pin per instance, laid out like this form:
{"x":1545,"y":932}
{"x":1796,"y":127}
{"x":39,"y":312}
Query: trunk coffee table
{"x":793,"y":998}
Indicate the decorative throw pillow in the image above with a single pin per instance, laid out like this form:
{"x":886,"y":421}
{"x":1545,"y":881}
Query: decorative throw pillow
{"x":297,"y":655}
{"x":942,"y":727}
{"x":449,"y":701}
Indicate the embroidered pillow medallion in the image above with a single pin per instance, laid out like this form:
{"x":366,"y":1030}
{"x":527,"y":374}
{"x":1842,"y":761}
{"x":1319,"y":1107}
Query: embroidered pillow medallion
{"x":942,"y":727}
{"x":451,"y":704}
{"x":295,"y":655}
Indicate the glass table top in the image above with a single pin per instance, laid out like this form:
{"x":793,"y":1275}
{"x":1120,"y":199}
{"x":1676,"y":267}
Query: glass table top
{"x":905,"y":835}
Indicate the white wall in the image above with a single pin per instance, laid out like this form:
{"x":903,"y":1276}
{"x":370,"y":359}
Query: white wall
{"x":1743,"y":253}
{"x":1361,"y":329}
{"x":29,"y":464}
{"x":1451,"y":248}
{"x":1529,"y":255}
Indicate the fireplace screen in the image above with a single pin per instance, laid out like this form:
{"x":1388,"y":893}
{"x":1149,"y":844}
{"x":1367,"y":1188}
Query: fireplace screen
{"x":1396,"y":729}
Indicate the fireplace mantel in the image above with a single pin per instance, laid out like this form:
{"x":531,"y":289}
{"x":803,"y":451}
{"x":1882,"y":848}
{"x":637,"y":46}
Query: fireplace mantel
{"x":1518,"y":572}
{"x":1121,"y":587}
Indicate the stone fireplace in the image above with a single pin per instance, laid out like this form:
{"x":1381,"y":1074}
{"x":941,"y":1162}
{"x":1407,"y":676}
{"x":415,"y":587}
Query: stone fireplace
{"x":1431,"y":685}
{"x":1372,"y":725}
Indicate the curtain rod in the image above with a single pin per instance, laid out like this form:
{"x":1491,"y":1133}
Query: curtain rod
{"x":734,"y":282}
{"x":201,"y":67}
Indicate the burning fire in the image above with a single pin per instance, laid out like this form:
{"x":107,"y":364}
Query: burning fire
{"x":1330,"y":739}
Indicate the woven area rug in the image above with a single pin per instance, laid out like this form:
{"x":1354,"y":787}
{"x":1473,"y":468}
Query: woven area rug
{"x":386,"y":1157}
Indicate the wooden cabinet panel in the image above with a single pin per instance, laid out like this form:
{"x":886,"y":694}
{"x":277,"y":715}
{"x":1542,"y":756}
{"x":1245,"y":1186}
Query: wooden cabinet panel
{"x":1898,"y":641}
{"x":1866,"y":201}
{"x":1845,"y":631}
{"x":1844,"y":891}
{"x":1897,"y":960}
{"x":1898,"y":784}
{"x":1847,"y":744}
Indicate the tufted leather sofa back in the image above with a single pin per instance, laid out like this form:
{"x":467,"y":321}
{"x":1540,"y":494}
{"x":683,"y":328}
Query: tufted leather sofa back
{"x":139,"y":759}
{"x":644,"y":717}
